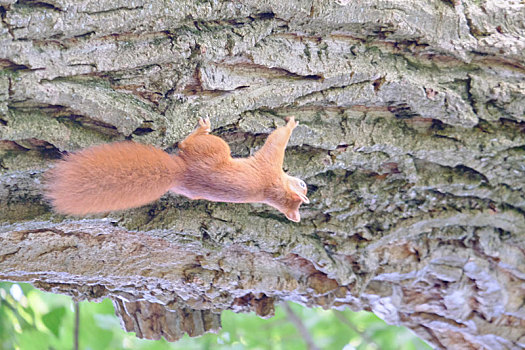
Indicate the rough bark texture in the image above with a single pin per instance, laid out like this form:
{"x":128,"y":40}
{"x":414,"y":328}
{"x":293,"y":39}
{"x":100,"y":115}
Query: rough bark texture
{"x":412,"y":142}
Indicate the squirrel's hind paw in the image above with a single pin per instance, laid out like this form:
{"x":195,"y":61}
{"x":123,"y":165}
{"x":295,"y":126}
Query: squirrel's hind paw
{"x":205,"y":124}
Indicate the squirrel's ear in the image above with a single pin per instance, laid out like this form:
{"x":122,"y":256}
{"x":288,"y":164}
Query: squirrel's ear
{"x":294,"y":215}
{"x":302,"y":197}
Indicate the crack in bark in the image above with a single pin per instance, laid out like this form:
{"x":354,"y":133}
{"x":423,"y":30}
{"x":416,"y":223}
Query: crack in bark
{"x":112,"y":10}
{"x":43,"y":5}
{"x":3,"y":13}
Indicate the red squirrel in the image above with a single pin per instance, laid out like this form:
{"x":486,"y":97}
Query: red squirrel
{"x":126,"y":174}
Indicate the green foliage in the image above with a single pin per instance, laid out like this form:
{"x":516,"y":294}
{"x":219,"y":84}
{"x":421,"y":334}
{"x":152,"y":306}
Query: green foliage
{"x":53,"y":319}
{"x":31,"y":319}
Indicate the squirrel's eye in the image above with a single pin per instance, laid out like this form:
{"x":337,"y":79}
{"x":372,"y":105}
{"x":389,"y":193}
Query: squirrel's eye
{"x":302,"y":184}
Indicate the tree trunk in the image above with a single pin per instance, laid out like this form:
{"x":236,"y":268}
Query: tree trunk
{"x":411,"y":141}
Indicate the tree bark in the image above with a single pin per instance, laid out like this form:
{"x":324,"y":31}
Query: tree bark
{"x":411,"y":140}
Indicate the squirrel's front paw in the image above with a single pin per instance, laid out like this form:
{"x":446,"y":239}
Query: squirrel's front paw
{"x":291,"y":122}
{"x":205,"y":124}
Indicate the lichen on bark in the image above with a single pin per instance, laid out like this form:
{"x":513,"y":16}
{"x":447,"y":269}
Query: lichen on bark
{"x":411,"y":140}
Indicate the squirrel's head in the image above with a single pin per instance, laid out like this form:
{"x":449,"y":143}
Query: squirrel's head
{"x":294,"y":195}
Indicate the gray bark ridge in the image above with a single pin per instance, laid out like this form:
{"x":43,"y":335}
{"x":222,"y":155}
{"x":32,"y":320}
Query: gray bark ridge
{"x":411,"y":139}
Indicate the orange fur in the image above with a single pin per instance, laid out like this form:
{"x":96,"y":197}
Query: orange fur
{"x":125,"y":175}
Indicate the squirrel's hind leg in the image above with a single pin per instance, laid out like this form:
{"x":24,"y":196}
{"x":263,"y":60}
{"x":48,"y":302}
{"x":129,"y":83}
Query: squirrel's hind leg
{"x":201,"y":147}
{"x":204,"y":128}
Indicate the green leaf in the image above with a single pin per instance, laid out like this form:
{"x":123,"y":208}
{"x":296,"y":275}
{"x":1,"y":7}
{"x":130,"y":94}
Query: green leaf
{"x":53,"y":319}
{"x":26,"y":288}
{"x":32,"y":339}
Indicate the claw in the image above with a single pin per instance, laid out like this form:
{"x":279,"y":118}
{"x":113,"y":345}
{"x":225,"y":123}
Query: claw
{"x":205,"y":124}
{"x":291,"y":122}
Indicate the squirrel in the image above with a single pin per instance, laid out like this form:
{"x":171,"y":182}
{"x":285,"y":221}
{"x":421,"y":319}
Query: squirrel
{"x":127,"y":174}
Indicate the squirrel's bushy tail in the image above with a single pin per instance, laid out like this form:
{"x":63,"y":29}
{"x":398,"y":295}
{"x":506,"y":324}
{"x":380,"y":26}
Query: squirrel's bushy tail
{"x":110,"y":177}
